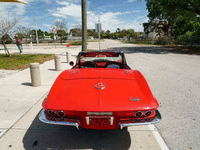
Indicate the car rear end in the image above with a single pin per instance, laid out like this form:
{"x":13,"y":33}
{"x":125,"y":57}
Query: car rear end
{"x":100,"y":99}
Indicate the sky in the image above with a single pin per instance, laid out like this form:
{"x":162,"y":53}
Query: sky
{"x":113,"y":14}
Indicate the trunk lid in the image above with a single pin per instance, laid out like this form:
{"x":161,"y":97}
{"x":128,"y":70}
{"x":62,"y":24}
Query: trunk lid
{"x":100,"y":90}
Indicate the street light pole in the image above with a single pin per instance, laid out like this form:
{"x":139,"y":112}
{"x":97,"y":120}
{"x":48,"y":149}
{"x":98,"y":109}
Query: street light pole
{"x":84,"y":25}
{"x":36,"y":32}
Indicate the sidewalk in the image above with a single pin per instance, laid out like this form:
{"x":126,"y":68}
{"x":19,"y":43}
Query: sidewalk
{"x":19,"y":95}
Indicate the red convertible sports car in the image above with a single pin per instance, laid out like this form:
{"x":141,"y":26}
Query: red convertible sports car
{"x":100,"y":92}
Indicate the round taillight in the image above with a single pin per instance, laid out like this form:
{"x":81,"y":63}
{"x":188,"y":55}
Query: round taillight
{"x":138,"y":114}
{"x":61,"y":113}
{"x":148,"y":113}
{"x":51,"y":112}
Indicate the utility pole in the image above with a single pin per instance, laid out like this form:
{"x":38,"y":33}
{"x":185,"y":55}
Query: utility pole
{"x":99,"y":32}
{"x":84,"y":25}
{"x":36,"y":32}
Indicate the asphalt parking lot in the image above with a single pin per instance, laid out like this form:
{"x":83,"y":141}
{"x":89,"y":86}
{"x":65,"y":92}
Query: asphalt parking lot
{"x":173,"y":77}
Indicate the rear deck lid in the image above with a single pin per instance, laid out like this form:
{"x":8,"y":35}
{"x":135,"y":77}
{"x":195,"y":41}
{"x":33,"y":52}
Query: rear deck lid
{"x":100,"y":90}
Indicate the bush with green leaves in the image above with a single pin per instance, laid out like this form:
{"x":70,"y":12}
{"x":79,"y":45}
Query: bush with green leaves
{"x":76,"y":43}
{"x":186,"y":38}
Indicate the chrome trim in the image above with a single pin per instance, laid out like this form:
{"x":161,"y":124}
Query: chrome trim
{"x":137,"y":112}
{"x":156,"y":120}
{"x":61,"y":112}
{"x":100,"y":113}
{"x":87,"y":120}
{"x":42,"y":118}
{"x":52,"y":111}
{"x":146,"y":112}
{"x":111,"y":120}
{"x":100,"y":86}
{"x":136,"y":99}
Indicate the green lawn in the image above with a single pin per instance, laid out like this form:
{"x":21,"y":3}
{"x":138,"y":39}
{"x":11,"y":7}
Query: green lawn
{"x":22,"y":61}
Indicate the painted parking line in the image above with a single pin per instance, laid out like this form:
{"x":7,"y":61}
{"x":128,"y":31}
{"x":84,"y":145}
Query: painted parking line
{"x":2,"y":132}
{"x":158,"y":137}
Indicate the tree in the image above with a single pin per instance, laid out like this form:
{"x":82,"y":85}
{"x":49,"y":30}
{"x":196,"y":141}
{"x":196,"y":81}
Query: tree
{"x":62,"y":34}
{"x":107,"y":34}
{"x":118,"y":30}
{"x":92,"y":32}
{"x":7,"y":38}
{"x":7,"y":25}
{"x":47,"y":33}
{"x":61,"y":29}
{"x":20,"y":35}
{"x":77,"y":31}
{"x":172,"y":15}
{"x":132,"y":33}
{"x":192,"y":6}
{"x":40,"y":33}
{"x":190,"y":31}
{"x":23,"y":31}
{"x":60,"y":25}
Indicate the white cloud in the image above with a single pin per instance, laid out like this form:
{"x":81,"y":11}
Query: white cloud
{"x":47,"y":25}
{"x":130,"y":1}
{"x":109,"y":20}
{"x":12,"y":9}
{"x":69,"y":10}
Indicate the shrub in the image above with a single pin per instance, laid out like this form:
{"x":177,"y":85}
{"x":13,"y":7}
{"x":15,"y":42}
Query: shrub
{"x":160,"y":41}
{"x":186,"y":38}
{"x":76,"y":43}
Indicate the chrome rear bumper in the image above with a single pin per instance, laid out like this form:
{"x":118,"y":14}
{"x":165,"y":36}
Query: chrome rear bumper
{"x":42,"y":118}
{"x":156,"y":120}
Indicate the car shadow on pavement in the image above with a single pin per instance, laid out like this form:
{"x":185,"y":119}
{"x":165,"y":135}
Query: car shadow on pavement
{"x":41,"y":136}
{"x":146,"y":49}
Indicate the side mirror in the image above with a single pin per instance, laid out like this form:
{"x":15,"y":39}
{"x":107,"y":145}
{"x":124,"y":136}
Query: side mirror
{"x":71,"y":63}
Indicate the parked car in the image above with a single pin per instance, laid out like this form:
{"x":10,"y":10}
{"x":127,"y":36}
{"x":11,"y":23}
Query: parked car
{"x":100,"y":92}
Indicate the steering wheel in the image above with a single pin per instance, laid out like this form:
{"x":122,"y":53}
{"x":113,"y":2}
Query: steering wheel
{"x":113,"y":64}
{"x":88,"y":64}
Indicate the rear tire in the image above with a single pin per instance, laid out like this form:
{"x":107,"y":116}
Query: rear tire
{"x":125,"y":129}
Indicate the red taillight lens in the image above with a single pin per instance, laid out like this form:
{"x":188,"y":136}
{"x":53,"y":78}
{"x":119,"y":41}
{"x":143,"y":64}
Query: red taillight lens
{"x":148,"y":113}
{"x":51,"y":112}
{"x":61,"y":113}
{"x":138,"y":114}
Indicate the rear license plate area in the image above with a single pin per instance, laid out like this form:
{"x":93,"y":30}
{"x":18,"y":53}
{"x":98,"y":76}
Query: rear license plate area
{"x":99,"y":120}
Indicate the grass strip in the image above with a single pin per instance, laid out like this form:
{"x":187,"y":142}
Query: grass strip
{"x":22,"y":61}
